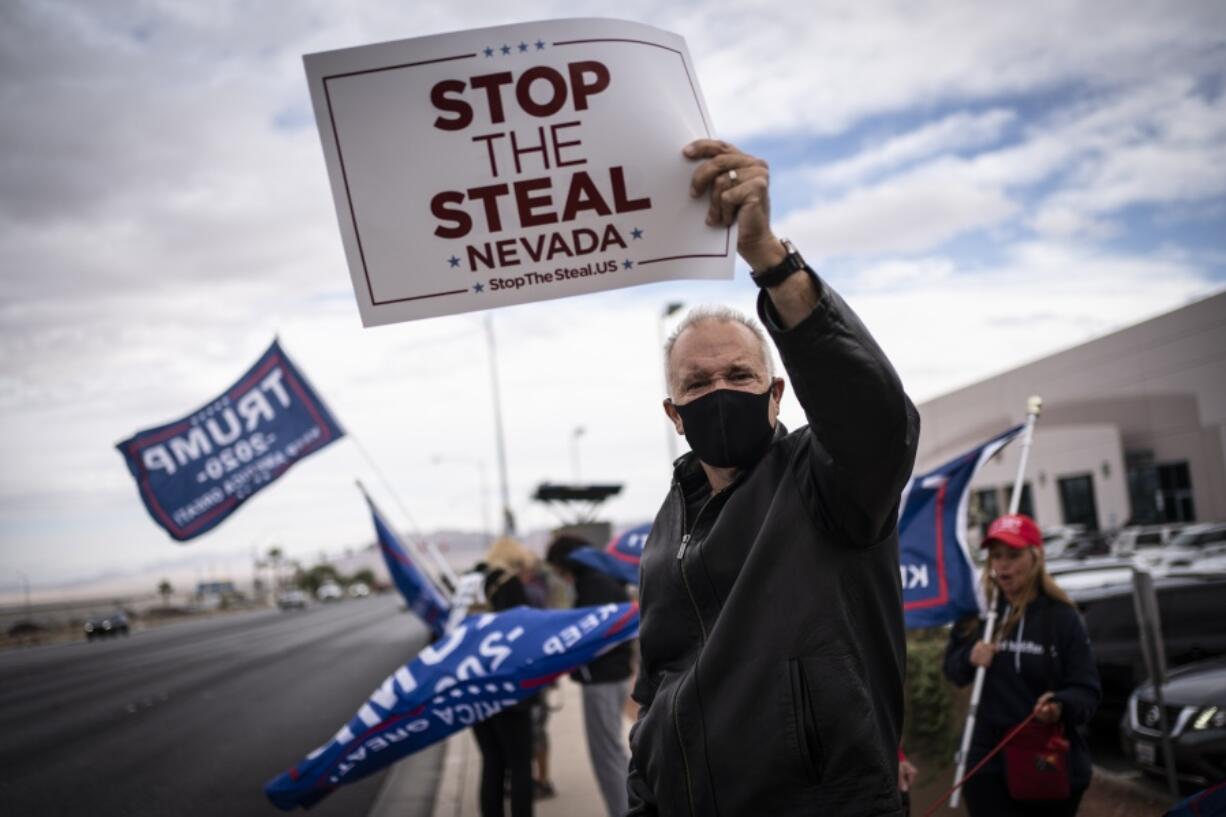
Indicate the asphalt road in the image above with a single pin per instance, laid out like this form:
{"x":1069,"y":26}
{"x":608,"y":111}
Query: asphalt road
{"x":193,"y":718}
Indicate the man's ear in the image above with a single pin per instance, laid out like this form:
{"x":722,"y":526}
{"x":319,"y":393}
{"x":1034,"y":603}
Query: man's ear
{"x":778,"y":386}
{"x":674,"y":416}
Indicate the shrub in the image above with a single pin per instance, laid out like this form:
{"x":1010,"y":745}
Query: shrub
{"x":930,"y":727}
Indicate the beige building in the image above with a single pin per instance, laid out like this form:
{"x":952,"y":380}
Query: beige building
{"x":1133,"y":428}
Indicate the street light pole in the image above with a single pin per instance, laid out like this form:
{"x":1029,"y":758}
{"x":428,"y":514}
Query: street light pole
{"x":508,"y":519}
{"x":670,"y":433}
{"x":574,"y":452}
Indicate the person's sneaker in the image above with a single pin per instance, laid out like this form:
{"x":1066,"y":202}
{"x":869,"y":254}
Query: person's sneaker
{"x":543,"y":790}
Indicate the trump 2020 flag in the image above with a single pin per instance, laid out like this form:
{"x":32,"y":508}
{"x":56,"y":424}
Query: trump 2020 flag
{"x":938,"y":577}
{"x":620,"y":558}
{"x":194,"y":472}
{"x":421,"y":596}
{"x":489,"y":662}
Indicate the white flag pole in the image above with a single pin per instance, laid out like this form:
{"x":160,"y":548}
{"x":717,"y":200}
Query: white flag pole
{"x":440,"y":564}
{"x":1033,"y":407}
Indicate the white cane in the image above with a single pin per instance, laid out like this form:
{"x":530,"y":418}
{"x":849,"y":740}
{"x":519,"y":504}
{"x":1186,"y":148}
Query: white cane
{"x":1033,"y":406}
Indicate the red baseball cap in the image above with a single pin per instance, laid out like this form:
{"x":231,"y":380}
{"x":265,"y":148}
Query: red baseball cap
{"x":1016,"y":530}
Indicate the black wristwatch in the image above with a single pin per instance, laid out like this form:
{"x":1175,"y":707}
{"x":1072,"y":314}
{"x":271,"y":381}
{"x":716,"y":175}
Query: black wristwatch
{"x":773,"y":276}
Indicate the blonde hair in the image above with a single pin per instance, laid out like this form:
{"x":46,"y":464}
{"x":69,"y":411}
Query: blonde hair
{"x":1039,"y":581}
{"x":509,"y":555}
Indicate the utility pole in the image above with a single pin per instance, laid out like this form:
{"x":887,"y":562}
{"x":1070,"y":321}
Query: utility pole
{"x":508,"y":519}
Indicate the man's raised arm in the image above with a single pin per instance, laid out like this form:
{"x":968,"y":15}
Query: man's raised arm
{"x":864,"y":425}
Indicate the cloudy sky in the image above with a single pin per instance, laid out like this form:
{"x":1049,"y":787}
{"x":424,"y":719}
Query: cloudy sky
{"x":986,"y":183}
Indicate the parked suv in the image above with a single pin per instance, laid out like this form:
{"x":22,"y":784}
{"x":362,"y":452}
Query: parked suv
{"x":1193,"y":613}
{"x":1194,"y":544}
{"x":1195,"y":700}
{"x":1137,"y":538}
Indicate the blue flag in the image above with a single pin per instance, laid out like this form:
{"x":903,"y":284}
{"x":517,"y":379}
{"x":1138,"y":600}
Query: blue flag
{"x":620,"y":558}
{"x":1210,"y":802}
{"x":938,"y":576}
{"x":420,"y":594}
{"x":194,"y":472}
{"x":486,"y":664}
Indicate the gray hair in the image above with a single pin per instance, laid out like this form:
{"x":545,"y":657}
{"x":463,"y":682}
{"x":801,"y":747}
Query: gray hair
{"x":716,"y":314}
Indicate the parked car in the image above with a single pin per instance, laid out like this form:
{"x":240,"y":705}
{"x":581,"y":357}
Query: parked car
{"x":359,"y":590}
{"x":1134,"y":538}
{"x":114,"y":624}
{"x":1075,"y":575}
{"x":1195,"y":701}
{"x":1058,"y":537}
{"x":1193,"y":613}
{"x":292,"y":600}
{"x":1086,"y":545}
{"x":329,"y":591}
{"x":1194,"y":544}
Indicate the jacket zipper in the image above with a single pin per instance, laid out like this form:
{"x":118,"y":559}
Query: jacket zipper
{"x":685,"y":543}
{"x":685,"y":761}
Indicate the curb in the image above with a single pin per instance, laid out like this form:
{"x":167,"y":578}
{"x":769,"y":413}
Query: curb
{"x":411,"y":786}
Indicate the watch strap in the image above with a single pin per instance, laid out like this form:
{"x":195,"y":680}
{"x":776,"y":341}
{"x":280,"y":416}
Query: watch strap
{"x":773,"y":276}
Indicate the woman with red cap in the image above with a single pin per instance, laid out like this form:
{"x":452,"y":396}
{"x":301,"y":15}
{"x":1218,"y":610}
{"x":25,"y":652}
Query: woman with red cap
{"x":1038,"y":663}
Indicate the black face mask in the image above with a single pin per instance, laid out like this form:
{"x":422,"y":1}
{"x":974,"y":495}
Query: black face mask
{"x":727,"y":428}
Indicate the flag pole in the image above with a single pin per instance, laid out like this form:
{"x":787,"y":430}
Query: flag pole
{"x":1033,"y":407}
{"x":446,"y":575}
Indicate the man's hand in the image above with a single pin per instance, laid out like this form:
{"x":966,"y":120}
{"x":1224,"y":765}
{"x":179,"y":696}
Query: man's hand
{"x":1047,"y":709}
{"x":906,"y":775}
{"x":741,"y":196}
{"x":983,"y":653}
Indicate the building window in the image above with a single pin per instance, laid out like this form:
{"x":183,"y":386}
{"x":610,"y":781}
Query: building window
{"x":1143,"y":493}
{"x":1026,"y":506}
{"x":1077,"y":501}
{"x":984,"y":507}
{"x":1175,"y":492}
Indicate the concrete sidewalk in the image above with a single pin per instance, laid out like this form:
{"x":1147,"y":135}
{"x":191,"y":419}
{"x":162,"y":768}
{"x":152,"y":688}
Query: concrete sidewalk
{"x":578,"y":794}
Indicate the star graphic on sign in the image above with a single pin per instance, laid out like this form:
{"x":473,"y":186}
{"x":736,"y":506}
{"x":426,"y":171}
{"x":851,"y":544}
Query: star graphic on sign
{"x":636,"y":233}
{"x":506,"y":49}
{"x":478,"y":287}
{"x":523,"y":47}
{"x":627,"y":264}
{"x":453,"y":261}
{"x":540,"y":45}
{"x":489,"y":52}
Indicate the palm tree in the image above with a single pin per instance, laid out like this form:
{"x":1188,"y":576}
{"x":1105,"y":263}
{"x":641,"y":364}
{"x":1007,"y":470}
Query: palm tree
{"x":164,"y":590}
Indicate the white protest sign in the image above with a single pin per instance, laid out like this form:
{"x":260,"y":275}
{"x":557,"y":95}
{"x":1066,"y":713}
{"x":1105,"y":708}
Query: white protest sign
{"x":520,"y":163}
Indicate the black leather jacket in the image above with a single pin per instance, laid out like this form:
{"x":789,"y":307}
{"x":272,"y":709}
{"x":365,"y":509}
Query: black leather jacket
{"x":772,"y":631}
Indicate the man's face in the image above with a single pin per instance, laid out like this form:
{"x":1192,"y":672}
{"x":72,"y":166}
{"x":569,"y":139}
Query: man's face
{"x":718,"y":355}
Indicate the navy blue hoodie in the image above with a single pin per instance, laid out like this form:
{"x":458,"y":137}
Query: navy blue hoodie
{"x":1047,"y":651}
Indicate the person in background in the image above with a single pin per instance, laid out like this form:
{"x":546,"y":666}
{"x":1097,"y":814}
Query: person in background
{"x":605,"y":681}
{"x":1041,"y":662}
{"x":505,"y":740}
{"x":535,"y":579}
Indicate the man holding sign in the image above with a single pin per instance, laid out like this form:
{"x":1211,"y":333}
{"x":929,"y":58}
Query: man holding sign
{"x":772,"y":631}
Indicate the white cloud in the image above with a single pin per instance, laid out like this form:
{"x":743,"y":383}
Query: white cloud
{"x":157,"y":226}
{"x":911,"y":212}
{"x":955,"y":132}
{"x":946,"y":329}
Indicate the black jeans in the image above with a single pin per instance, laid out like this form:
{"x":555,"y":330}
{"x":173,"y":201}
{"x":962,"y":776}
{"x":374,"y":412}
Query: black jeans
{"x":987,"y":795}
{"x":506,"y":745}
